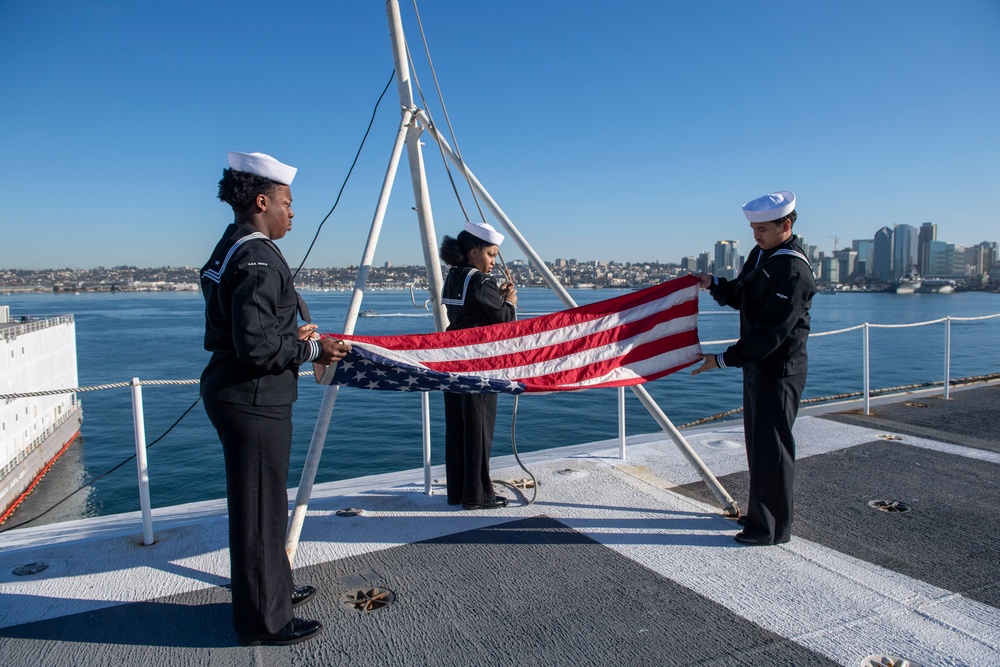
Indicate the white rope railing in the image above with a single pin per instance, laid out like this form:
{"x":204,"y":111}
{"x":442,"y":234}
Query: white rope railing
{"x":99,"y":387}
{"x":866,"y":357}
{"x":872,"y":326}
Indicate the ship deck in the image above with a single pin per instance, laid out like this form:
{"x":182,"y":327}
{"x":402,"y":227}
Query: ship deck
{"x":617,"y":562}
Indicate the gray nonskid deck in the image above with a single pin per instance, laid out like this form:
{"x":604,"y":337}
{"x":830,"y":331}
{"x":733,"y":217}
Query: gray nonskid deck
{"x":619,"y":564}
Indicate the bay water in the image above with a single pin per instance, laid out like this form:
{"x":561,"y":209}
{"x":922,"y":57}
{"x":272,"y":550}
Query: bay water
{"x":158,"y":336}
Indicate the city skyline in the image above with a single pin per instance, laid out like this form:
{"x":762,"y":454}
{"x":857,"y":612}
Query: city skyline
{"x":677,"y":261}
{"x":632,"y":132}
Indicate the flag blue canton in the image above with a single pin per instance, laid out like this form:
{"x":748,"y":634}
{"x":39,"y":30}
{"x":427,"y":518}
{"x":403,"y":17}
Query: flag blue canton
{"x":365,"y":369}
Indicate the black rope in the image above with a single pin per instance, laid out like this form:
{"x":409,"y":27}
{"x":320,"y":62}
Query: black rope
{"x":349,"y":172}
{"x":91,"y":481}
{"x":513,"y":445}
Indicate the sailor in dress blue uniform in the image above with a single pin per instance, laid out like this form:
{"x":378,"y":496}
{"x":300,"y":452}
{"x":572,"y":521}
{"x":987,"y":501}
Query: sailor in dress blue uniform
{"x":773,"y":293}
{"x":473,"y":299}
{"x":248,"y":387}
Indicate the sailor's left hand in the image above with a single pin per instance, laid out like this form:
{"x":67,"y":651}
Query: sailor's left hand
{"x":332,"y":349}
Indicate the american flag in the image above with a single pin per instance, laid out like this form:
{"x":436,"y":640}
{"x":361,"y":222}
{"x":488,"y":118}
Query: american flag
{"x":626,"y":340}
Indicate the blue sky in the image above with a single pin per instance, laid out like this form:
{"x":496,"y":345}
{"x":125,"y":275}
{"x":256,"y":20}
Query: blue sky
{"x":628,"y":131}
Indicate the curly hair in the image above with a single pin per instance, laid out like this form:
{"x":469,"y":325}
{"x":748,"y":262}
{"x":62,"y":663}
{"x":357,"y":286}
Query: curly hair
{"x":239,"y":189}
{"x":455,"y":252}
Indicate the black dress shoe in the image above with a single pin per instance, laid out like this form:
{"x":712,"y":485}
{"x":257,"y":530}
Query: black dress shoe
{"x":297,"y":630}
{"x":743,"y":537}
{"x":301,"y":595}
{"x":742,"y":519}
{"x":456,"y":501}
{"x":494,"y":504}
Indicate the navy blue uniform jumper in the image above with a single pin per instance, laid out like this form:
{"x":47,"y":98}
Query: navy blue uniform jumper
{"x":471,"y":299}
{"x":248,"y":387}
{"x":773,"y":293}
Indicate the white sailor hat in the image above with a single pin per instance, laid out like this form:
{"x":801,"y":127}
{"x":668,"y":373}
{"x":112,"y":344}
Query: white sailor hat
{"x":262,"y":165}
{"x":770,"y":207}
{"x":484,"y":231}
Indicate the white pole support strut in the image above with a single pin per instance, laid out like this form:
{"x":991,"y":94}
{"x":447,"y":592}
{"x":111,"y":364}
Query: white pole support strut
{"x":727,"y":502}
{"x":621,"y":423}
{"x":947,"y":358}
{"x":142,"y":467}
{"x":866,"y":368}
{"x":311,"y":465}
{"x":425,"y":419}
{"x":409,"y":133}
{"x":418,"y":177}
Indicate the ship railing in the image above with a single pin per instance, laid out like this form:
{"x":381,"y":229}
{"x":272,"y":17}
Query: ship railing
{"x":139,"y":426}
{"x":28,"y":323}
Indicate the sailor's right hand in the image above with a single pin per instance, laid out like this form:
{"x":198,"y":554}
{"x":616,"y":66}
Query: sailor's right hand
{"x":331,"y":350}
{"x":509,"y":293}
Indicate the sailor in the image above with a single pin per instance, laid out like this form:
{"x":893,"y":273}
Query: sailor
{"x":249,"y":385}
{"x":773,"y":293}
{"x":473,"y":299}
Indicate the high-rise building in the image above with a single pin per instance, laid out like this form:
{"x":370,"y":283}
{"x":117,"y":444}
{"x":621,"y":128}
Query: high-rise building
{"x":830,"y":270}
{"x":846,"y":263}
{"x":866,"y":256}
{"x":981,"y":257}
{"x":882,"y":255}
{"x":946,"y":260}
{"x":704,"y":263}
{"x":904,"y":250}
{"x":727,"y":259}
{"x":928,"y":234}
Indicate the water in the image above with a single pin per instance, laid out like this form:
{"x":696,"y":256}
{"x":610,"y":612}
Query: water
{"x":158,"y":336}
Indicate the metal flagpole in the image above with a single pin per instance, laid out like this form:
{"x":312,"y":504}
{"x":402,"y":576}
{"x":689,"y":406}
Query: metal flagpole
{"x":330,"y":395}
{"x":409,"y":134}
{"x":727,"y":502}
{"x":418,"y":177}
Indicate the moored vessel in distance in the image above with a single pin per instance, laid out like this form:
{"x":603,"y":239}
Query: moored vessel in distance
{"x":936,"y":286}
{"x":37,"y":354}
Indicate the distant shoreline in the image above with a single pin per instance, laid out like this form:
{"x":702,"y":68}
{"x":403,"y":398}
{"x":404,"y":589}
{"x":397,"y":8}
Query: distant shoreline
{"x":589,"y":275}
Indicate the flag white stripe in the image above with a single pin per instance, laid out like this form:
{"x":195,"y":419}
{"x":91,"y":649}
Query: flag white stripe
{"x":562,"y":334}
{"x":582,"y":358}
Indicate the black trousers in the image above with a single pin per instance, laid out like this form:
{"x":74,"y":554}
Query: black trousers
{"x":770,"y":405}
{"x":257,"y":442}
{"x":468,"y":436}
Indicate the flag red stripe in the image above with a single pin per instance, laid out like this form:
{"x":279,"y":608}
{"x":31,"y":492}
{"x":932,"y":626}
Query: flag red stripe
{"x":507,"y":330}
{"x":565,"y":348}
{"x":580,"y":374}
{"x":621,"y":341}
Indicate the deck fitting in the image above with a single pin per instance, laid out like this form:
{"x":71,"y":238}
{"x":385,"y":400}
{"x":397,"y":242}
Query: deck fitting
{"x":29,"y":569}
{"x":350,"y":511}
{"x":877,"y":660}
{"x":572,"y":472}
{"x":372,"y":599}
{"x":890,"y":506}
